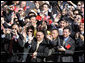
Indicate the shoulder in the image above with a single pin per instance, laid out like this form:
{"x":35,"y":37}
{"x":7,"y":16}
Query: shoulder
{"x":44,"y":42}
{"x":70,"y":39}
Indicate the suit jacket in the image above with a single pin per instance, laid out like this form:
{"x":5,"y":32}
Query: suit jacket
{"x":75,"y":27}
{"x":42,"y":51}
{"x":79,"y":50}
{"x":53,"y":53}
{"x":16,"y":45}
{"x":69,"y":45}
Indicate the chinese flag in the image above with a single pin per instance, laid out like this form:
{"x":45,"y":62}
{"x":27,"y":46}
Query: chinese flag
{"x":16,"y":9}
{"x":39,"y":18}
{"x":68,"y":46}
{"x":24,"y":8}
{"x":50,"y":21}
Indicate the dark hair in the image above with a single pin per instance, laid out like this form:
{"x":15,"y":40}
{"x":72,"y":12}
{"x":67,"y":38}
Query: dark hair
{"x":67,"y":27}
{"x":14,"y":24}
{"x":79,"y":11}
{"x":64,"y":19}
{"x":54,"y":29}
{"x":41,"y":32}
{"x":31,"y":13}
{"x":32,"y":16}
{"x":45,"y":4}
{"x":81,"y":15}
{"x":30,"y":27}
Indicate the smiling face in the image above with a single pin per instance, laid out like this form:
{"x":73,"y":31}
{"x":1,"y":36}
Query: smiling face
{"x":66,"y":32}
{"x":30,"y":32}
{"x":78,"y":18}
{"x":39,"y":36}
{"x":15,"y":28}
{"x":33,"y":19}
{"x":45,"y":7}
{"x":54,"y":34}
{"x":63,"y":24}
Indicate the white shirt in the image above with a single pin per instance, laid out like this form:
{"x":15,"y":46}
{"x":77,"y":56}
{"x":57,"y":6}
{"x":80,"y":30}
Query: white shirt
{"x":38,"y":43}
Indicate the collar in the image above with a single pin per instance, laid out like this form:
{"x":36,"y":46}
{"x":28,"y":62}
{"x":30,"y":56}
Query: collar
{"x":39,"y":41}
{"x":46,"y":13}
{"x":66,"y":38}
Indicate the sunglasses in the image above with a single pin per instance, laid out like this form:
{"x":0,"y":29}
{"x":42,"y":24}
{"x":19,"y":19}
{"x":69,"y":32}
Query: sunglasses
{"x":30,"y":31}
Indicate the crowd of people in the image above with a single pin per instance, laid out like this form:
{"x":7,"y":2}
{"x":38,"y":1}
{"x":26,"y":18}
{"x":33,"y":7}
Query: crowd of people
{"x":42,"y":31}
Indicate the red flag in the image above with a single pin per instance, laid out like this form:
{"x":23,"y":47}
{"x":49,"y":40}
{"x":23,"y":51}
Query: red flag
{"x":50,"y":21}
{"x":39,"y":18}
{"x":24,"y":8}
{"x":82,"y":20}
{"x":68,"y":46}
{"x":16,"y":9}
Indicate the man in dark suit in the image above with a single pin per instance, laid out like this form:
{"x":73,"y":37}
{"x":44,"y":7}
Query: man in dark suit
{"x":79,"y":49}
{"x":54,"y":43}
{"x":38,"y":48}
{"x":15,"y":44}
{"x":67,"y":46}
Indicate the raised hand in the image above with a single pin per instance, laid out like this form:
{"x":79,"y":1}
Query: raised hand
{"x":61,"y":49}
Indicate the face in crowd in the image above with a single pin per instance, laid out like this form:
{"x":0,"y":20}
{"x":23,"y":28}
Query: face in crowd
{"x":45,"y":7}
{"x":33,"y":20}
{"x":78,"y":18}
{"x":39,"y":36}
{"x":15,"y":28}
{"x":79,"y":5}
{"x":81,"y":26}
{"x":23,"y":4}
{"x":63,"y":24}
{"x":30,"y":32}
{"x":54,"y":34}
{"x":66,"y":33}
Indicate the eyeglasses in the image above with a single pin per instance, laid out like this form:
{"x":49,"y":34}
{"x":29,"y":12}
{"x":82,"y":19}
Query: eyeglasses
{"x":30,"y":31}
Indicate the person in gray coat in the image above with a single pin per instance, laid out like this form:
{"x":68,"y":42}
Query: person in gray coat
{"x":67,"y":46}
